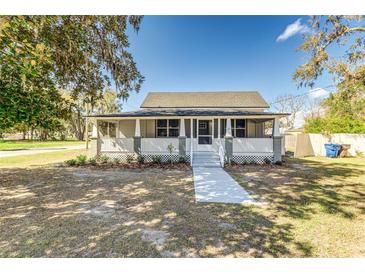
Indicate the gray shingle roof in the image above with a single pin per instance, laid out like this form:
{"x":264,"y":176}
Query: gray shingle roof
{"x":188,"y":112}
{"x":223,"y":99}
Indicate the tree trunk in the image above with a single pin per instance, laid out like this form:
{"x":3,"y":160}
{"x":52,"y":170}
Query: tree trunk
{"x":87,"y":126}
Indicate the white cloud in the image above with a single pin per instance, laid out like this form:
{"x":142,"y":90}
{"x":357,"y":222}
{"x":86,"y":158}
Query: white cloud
{"x":318,"y":92}
{"x":292,"y":29}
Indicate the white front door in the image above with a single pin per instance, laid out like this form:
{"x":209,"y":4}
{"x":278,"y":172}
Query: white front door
{"x":205,"y":135}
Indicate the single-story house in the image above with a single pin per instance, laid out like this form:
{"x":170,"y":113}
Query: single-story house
{"x":234,"y":125}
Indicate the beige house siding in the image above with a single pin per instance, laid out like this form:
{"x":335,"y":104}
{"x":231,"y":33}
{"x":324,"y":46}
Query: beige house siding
{"x":126,"y":128}
{"x":150,"y":128}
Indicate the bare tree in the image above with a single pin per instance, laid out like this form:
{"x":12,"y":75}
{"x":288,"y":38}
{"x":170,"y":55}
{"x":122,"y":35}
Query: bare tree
{"x":289,"y":103}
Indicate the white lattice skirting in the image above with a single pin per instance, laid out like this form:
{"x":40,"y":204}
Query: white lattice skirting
{"x":122,"y":156}
{"x":250,"y":158}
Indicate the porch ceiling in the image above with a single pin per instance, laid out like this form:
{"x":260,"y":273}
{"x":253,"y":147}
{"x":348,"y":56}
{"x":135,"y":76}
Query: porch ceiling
{"x":189,"y":112}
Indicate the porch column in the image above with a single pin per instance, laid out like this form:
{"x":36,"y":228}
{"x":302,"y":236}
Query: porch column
{"x":137,"y":137}
{"x":182,"y":139}
{"x":228,"y":128}
{"x":277,"y":141}
{"x":182,"y":128}
{"x":94,"y":142}
{"x":228,"y":139}
{"x":219,"y":128}
{"x":137,"y":130}
{"x":212,"y":130}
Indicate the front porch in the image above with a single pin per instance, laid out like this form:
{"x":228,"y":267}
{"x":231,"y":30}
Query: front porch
{"x":234,"y":139}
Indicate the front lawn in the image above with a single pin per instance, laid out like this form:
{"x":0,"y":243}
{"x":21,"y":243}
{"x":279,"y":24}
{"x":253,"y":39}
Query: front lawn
{"x":320,"y":201}
{"x":310,"y":208}
{"x":26,"y":144}
{"x":41,"y":159}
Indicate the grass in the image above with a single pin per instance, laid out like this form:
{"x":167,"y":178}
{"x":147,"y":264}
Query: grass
{"x":320,"y":200}
{"x":40,"y":159}
{"x":313,"y":207}
{"x":26,"y":144}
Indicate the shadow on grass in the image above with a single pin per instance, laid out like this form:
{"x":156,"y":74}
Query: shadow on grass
{"x":79,"y":212}
{"x":295,"y":188}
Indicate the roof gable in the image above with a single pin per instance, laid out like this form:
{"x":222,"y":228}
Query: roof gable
{"x":237,"y":99}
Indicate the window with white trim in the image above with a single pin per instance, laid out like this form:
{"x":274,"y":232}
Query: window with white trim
{"x":239,"y":128}
{"x":167,"y":128}
{"x":108,"y":129}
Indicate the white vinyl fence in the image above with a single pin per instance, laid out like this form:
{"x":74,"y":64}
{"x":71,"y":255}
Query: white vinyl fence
{"x":313,"y":144}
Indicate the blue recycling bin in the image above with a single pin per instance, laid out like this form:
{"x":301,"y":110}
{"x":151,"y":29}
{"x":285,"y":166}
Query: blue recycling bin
{"x":332,"y":150}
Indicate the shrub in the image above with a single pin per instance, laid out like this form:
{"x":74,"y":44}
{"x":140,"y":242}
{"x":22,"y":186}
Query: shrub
{"x":156,"y":159}
{"x":71,"y":162}
{"x":267,"y":161}
{"x":182,"y":160}
{"x":244,"y":162}
{"x":359,"y":153}
{"x":170,"y":149}
{"x":81,"y":159}
{"x":92,"y":161}
{"x":140,"y":159}
{"x":252,"y":162}
{"x":104,"y":159}
{"x":130,"y":159}
{"x":116,"y":161}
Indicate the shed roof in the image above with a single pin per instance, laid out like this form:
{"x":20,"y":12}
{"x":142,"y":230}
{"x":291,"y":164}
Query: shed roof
{"x":222,"y":99}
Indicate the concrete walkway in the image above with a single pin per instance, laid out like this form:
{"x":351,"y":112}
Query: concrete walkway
{"x":30,"y":151}
{"x":213,"y":184}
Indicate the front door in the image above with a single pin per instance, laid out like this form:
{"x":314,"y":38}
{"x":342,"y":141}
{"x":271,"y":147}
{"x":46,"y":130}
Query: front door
{"x":205,"y":135}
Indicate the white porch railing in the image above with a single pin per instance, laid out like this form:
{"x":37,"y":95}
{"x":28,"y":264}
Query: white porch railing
{"x":191,"y":150}
{"x":221,"y":153}
{"x":123,"y":145}
{"x":159,"y":145}
{"x":253,"y":145}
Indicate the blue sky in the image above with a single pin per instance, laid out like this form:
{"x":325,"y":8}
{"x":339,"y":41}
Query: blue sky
{"x":219,"y":53}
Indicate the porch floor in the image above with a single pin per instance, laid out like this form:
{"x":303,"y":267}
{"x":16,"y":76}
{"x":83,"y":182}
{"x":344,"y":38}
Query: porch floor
{"x":213,"y":184}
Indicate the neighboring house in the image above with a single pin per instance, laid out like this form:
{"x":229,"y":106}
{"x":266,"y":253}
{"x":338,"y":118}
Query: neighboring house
{"x":235,"y":125}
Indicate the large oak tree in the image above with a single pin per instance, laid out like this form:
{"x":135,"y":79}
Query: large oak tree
{"x":344,"y":109}
{"x":40,"y":54}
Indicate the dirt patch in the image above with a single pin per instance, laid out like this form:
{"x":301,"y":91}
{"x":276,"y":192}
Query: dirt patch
{"x":151,"y":212}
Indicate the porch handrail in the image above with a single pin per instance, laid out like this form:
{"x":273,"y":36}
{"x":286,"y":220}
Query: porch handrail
{"x":221,"y":153}
{"x":191,"y":151}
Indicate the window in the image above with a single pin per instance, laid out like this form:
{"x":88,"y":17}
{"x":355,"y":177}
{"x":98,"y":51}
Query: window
{"x":108,"y":129}
{"x":239,"y":128}
{"x":167,"y":128}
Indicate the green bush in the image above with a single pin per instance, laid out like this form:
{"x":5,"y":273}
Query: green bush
{"x":81,"y":160}
{"x":116,"y":161}
{"x":156,"y":159}
{"x":104,"y":159}
{"x":182,"y":160}
{"x":252,"y":162}
{"x":267,"y":161}
{"x":130,"y":158}
{"x":71,"y":162}
{"x":92,"y":161}
{"x":140,"y":159}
